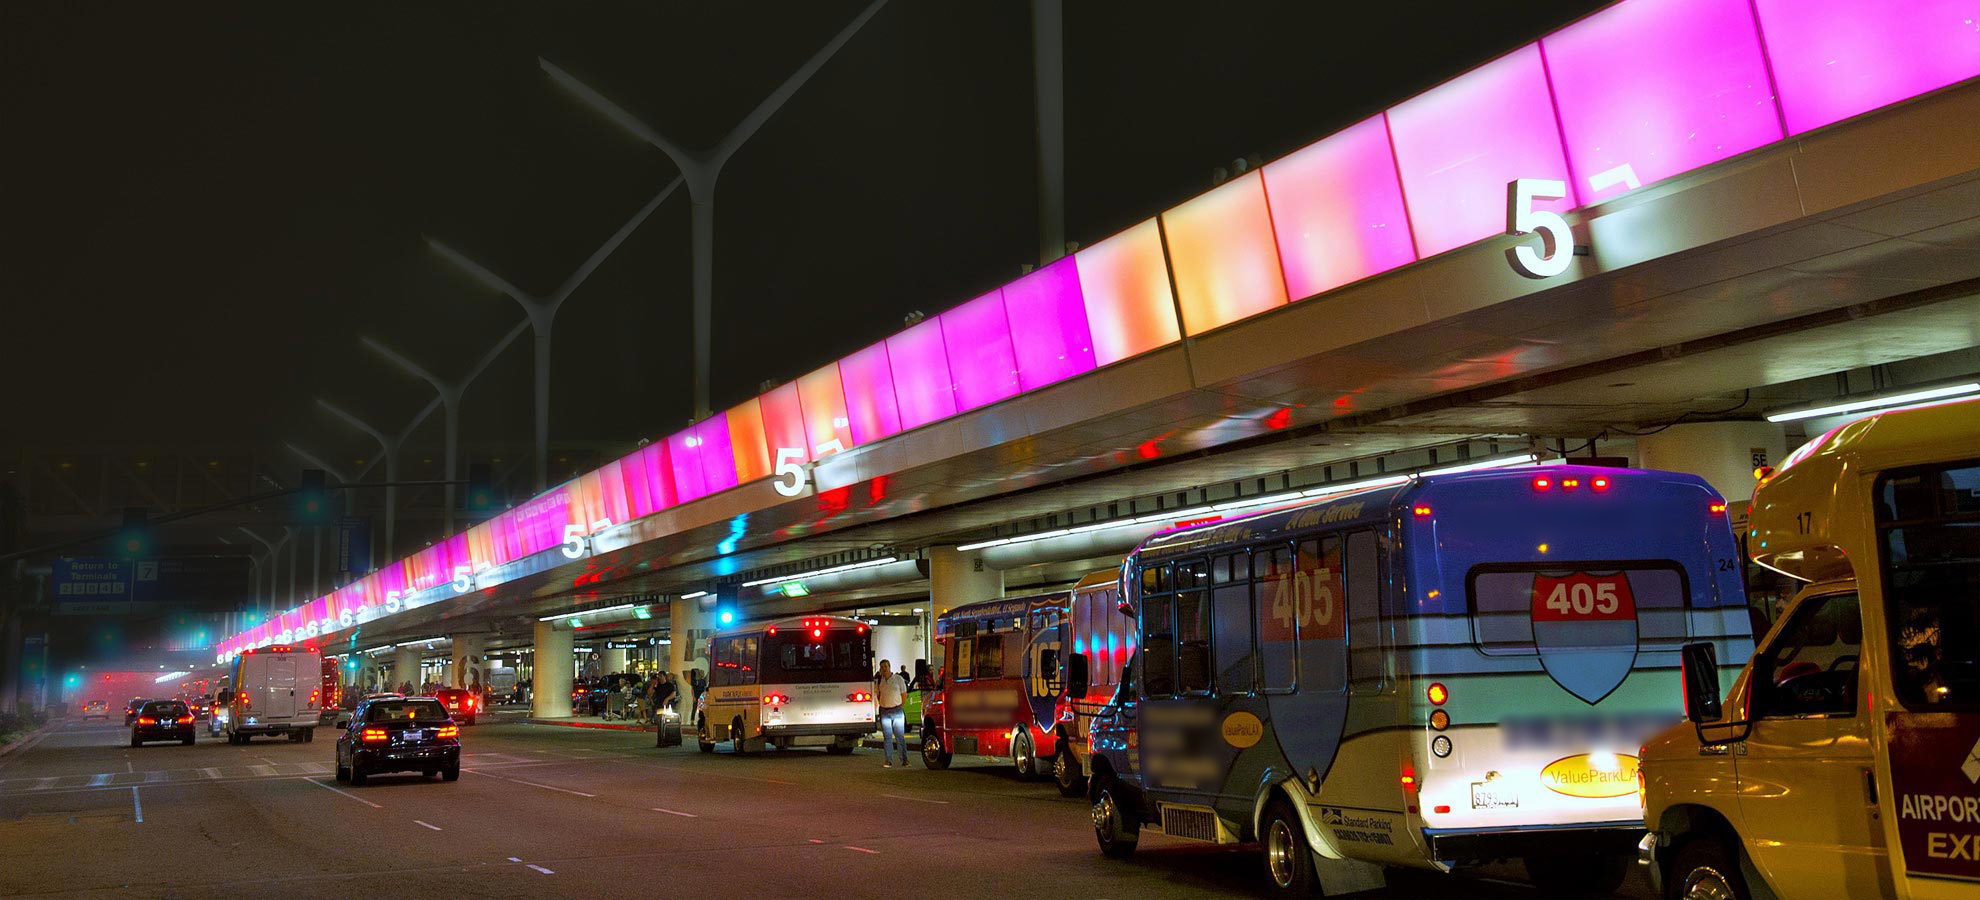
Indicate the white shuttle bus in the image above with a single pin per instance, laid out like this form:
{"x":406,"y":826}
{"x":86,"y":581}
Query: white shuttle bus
{"x":790,"y":682}
{"x":277,"y":689}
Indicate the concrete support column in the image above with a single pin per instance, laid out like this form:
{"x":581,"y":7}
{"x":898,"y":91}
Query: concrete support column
{"x":470,"y":662}
{"x":405,"y":667}
{"x":1723,"y":453}
{"x":687,"y":653}
{"x":956,"y":578}
{"x":551,"y":696}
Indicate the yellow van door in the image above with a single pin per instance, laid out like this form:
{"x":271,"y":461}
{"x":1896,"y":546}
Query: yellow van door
{"x":1805,"y":773}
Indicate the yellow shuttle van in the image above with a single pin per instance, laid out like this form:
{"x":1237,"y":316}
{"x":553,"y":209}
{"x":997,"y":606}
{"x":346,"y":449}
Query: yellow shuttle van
{"x":1844,"y":761}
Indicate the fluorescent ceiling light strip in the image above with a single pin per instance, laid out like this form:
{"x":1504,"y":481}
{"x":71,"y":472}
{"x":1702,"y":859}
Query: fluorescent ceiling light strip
{"x":694,"y":595}
{"x":817,"y":572}
{"x":1937,"y":393}
{"x":587,"y":612}
{"x":169,"y":676}
{"x":1503,"y":462}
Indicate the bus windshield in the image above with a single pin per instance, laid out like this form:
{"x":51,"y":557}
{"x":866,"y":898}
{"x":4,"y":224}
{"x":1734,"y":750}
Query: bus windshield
{"x":1929,"y":533}
{"x":795,"y":657}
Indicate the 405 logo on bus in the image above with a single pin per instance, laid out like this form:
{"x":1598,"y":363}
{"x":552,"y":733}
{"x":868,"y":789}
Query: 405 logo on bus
{"x":1584,"y":627}
{"x":1302,"y":605}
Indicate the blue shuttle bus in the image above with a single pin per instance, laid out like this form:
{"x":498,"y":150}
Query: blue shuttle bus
{"x":1453,"y":669}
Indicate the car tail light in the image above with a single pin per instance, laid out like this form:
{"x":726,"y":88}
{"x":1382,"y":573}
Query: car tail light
{"x":147,"y":720}
{"x":448,"y":731}
{"x":858,"y":697}
{"x":374,"y":736}
{"x":185,"y":720}
{"x":315,"y":697}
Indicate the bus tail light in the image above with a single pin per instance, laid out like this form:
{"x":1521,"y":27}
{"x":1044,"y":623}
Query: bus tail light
{"x":1568,"y":484}
{"x":775,"y":699}
{"x":1598,"y":484}
{"x":374,"y":736}
{"x":772,"y":632}
{"x":1437,"y":693}
{"x":1409,"y":780}
{"x":1421,"y":512}
{"x":1441,"y":809}
{"x":858,"y":697}
{"x":1543,"y":484}
{"x":1718,"y":509}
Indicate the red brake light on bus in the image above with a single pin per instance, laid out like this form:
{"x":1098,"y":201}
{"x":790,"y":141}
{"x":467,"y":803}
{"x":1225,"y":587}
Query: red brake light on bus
{"x":772,"y":631}
{"x":1437,"y":693}
{"x":1422,"y":512}
{"x":1718,"y":509}
{"x":1599,"y":484}
{"x":818,"y":632}
{"x":1543,"y":484}
{"x":1409,"y":779}
{"x":858,"y":697}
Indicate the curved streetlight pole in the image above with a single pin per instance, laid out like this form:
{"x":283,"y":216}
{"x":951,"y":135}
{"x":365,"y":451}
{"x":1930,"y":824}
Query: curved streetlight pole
{"x":701,"y":169}
{"x":390,"y":446}
{"x":450,"y":393}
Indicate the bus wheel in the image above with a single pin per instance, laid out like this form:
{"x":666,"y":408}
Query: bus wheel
{"x":1115,"y":831}
{"x":1288,"y":860}
{"x":1065,"y":771}
{"x":736,"y":737}
{"x":1023,"y":758}
{"x":1705,"y":869}
{"x":933,"y":753}
{"x":1593,"y":875}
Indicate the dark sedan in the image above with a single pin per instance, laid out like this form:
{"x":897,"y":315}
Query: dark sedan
{"x":162,"y":720}
{"x":399,"y":734}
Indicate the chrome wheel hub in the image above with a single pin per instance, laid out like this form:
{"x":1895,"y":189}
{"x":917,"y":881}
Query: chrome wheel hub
{"x":1707,"y":883}
{"x":1279,"y":853}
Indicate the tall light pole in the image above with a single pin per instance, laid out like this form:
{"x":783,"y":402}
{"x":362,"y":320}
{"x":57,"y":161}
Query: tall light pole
{"x":1048,"y":66}
{"x":702,"y":168}
{"x":542,"y":312}
{"x":389,"y":445}
{"x":450,"y":393}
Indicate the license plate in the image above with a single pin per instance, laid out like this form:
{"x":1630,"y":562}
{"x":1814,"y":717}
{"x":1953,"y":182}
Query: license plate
{"x":414,"y":735}
{"x":1486,"y":795}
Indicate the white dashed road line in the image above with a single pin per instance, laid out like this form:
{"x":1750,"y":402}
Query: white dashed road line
{"x":540,"y":868}
{"x":137,"y":807}
{"x":675,"y":812}
{"x":428,"y":824}
{"x":532,"y":784}
{"x":860,"y":849}
{"x":343,"y":792}
{"x":916,"y":799}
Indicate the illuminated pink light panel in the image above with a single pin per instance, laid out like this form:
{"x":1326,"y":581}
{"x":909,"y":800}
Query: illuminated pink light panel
{"x":1833,"y":59}
{"x":1337,"y":210}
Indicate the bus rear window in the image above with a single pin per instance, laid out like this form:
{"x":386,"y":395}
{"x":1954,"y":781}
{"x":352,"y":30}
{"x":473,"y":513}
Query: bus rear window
{"x":1506,"y":601}
{"x":1929,"y":529}
{"x":797,"y":657}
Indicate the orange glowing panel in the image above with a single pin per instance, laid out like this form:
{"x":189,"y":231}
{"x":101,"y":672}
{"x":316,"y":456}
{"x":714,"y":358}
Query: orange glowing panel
{"x":747,"y":442}
{"x":783,"y":421}
{"x":1124,"y":282}
{"x":1225,"y":258}
{"x":824,"y":407}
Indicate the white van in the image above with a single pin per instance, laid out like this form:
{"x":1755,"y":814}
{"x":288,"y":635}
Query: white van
{"x":278,"y":689}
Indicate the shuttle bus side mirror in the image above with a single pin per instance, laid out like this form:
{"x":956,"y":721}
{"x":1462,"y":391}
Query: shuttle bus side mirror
{"x":1079,"y":675}
{"x":1126,"y":607}
{"x":1701,"y":683}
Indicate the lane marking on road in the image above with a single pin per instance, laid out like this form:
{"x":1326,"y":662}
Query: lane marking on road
{"x":429,"y":825}
{"x":210,"y":772}
{"x":263,"y":771}
{"x":860,"y":849}
{"x":815,"y":840}
{"x":915,"y":799}
{"x":540,"y":868}
{"x":129,"y":769}
{"x":98,"y":780}
{"x":42,"y":784}
{"x":515,"y":859}
{"x":343,"y":792}
{"x":137,"y":807}
{"x":675,"y":812}
{"x":533,"y":784}
{"x":725,"y":775}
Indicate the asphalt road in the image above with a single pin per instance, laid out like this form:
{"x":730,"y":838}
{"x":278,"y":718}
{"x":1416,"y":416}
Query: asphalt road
{"x":545,"y":811}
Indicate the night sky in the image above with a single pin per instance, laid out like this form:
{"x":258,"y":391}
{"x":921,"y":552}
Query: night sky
{"x":206,"y":205}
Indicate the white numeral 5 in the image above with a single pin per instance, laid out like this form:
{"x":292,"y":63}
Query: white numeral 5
{"x":463,"y":580}
{"x":788,"y":464}
{"x":1522,"y":218}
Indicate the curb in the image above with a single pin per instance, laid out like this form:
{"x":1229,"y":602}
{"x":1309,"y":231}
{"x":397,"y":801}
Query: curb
{"x":27,"y":740}
{"x":600,"y":725}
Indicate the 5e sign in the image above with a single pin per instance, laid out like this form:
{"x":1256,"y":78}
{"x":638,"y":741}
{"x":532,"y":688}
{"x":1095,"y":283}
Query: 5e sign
{"x":790,"y":477}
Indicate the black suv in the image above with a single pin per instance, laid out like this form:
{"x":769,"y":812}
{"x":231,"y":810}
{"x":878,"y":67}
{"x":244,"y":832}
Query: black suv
{"x":399,"y":734}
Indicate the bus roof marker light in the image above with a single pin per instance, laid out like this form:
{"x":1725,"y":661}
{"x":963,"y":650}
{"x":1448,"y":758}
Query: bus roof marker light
{"x":1543,"y":484}
{"x":1421,"y":512}
{"x":1719,"y":508}
{"x":1598,"y":484}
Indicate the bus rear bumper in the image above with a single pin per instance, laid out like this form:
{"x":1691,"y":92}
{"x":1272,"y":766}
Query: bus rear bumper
{"x":842,"y":729}
{"x":1459,"y":846}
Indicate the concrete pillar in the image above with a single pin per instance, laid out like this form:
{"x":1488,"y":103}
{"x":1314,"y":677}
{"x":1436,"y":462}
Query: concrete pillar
{"x":1723,"y":453}
{"x":405,"y":667}
{"x":687,"y":653}
{"x":551,"y":696}
{"x":470,"y":662}
{"x":956,"y":578}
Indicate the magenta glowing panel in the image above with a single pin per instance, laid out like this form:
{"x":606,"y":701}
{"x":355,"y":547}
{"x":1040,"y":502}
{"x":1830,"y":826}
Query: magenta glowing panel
{"x":718,"y":458}
{"x":1460,"y":143}
{"x":1337,"y":210}
{"x":783,"y":421}
{"x":690,"y":481}
{"x":1124,"y":281}
{"x":868,"y":380}
{"x":659,"y":465}
{"x":1048,"y":325}
{"x":922,"y":388}
{"x":1223,"y":255}
{"x":977,"y":337}
{"x":1833,"y":59}
{"x":1647,"y":89}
